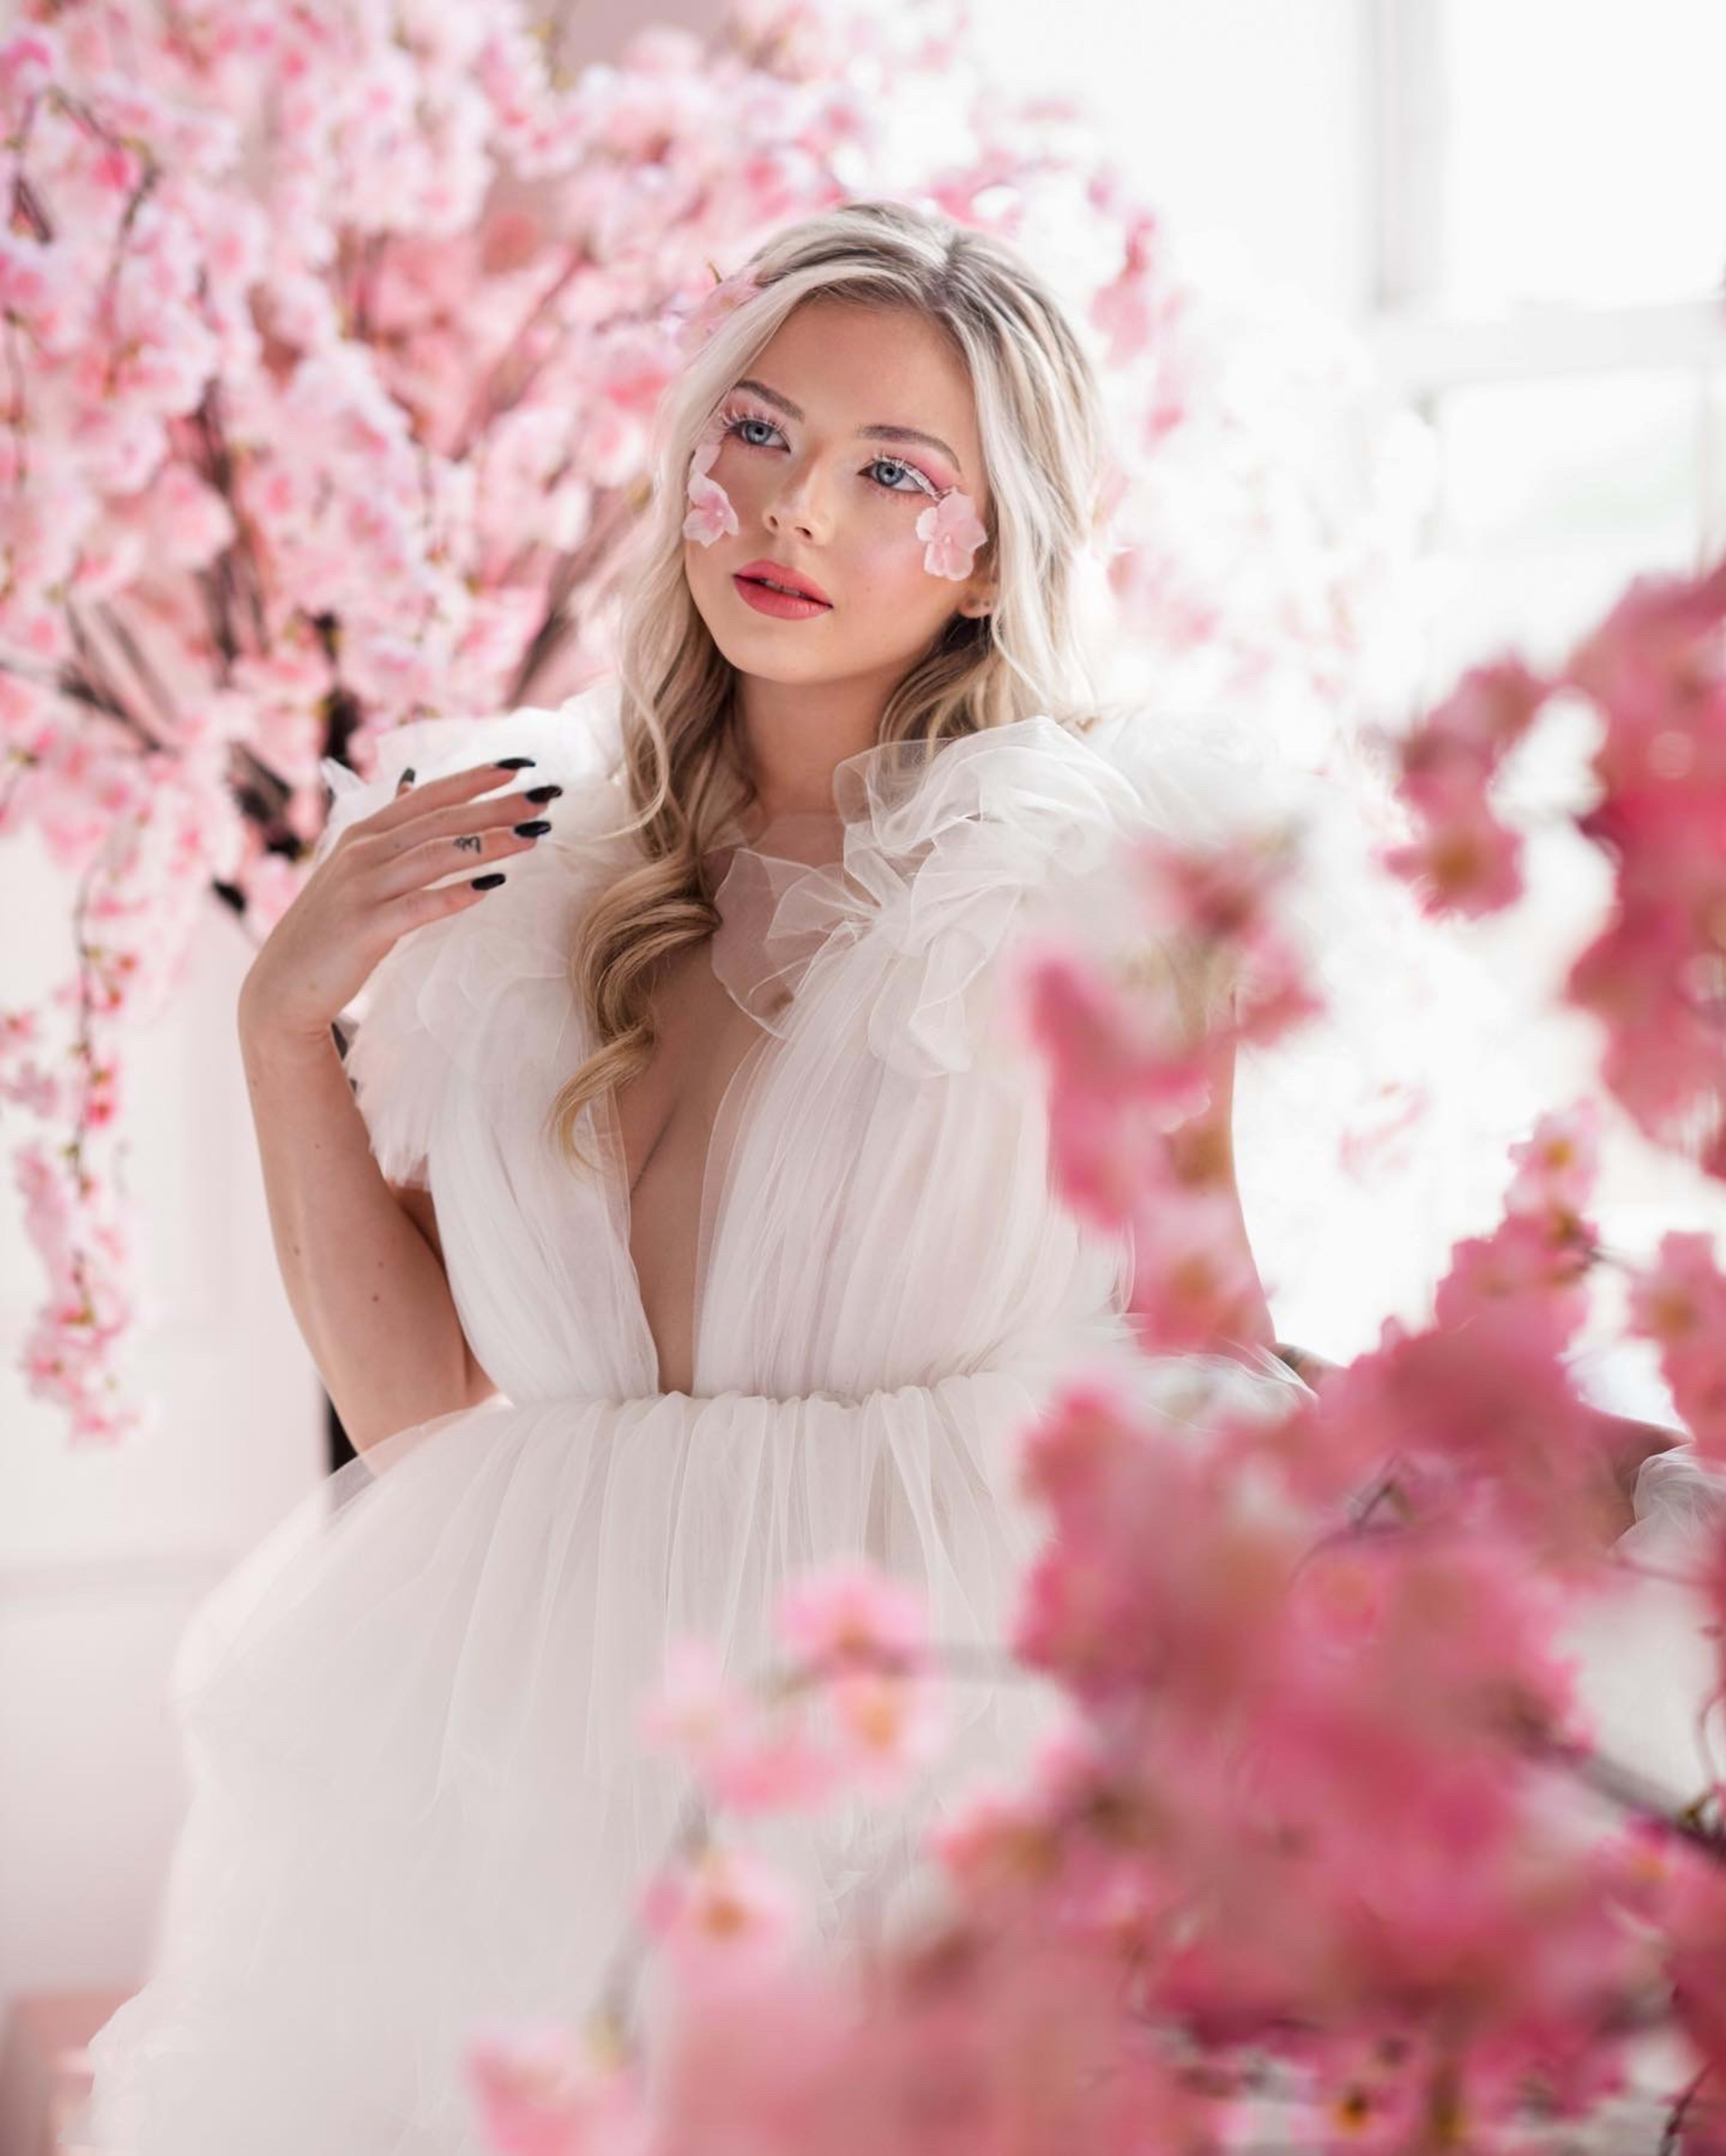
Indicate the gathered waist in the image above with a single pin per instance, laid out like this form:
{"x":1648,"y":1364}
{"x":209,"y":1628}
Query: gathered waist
{"x":1141,"y":1375}
{"x":911,"y":1390}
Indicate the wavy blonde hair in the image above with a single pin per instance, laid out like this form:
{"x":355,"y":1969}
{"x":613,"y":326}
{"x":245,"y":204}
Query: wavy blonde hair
{"x":1040,"y":425}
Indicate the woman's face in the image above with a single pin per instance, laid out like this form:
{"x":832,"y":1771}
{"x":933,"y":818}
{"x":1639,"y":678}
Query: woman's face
{"x":817,"y":460}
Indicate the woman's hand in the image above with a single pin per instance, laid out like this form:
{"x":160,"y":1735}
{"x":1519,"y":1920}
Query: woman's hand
{"x":1310,"y":1369}
{"x":1627,"y":1443}
{"x":379,"y":880}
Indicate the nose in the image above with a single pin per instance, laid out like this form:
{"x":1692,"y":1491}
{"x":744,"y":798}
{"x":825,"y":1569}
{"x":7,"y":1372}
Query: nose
{"x":794,"y":504}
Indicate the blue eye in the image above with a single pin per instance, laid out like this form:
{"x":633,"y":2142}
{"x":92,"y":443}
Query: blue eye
{"x":921,"y":483}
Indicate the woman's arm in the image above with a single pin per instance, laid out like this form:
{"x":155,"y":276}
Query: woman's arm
{"x":1211,"y":1134}
{"x":366,"y":1283}
{"x":417,"y":1204}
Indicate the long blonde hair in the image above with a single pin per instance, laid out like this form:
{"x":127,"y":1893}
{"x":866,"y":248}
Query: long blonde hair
{"x":1040,"y":422}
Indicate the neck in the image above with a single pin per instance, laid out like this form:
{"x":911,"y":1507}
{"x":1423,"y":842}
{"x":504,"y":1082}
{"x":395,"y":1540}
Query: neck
{"x":795,"y":736}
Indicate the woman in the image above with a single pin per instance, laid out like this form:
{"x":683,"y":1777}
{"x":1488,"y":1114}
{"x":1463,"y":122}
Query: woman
{"x":693,"y":1224}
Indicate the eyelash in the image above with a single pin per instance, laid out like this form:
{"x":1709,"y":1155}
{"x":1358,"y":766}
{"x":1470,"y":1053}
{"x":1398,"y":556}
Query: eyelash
{"x":734,"y":418}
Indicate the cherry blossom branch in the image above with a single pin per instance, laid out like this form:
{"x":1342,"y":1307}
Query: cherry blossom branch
{"x":1632,"y":1794}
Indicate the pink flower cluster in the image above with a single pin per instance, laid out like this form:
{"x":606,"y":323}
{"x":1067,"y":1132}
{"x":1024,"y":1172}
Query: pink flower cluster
{"x":1654,"y":673}
{"x":856,"y":1646}
{"x":1129,"y":1072}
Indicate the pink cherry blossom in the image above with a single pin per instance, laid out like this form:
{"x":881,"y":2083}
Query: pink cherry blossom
{"x":744,"y":1755}
{"x":697,"y":1706}
{"x":540,"y":2091}
{"x":712,"y":516}
{"x":889,"y":1727}
{"x":1468,"y":864}
{"x":1557,"y":1167}
{"x":726,"y":295}
{"x":1639,"y":666}
{"x":1679,"y":1302}
{"x":848,"y":1616}
{"x":953,"y":532}
{"x":30,"y":59}
{"x":728,"y":1910}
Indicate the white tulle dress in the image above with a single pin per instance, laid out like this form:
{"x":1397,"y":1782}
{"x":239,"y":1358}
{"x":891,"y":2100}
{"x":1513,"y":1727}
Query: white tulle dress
{"x":418,"y":1801}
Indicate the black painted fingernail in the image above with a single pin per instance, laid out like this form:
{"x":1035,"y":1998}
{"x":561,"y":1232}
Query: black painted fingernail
{"x":532,"y":830}
{"x":514,"y":763}
{"x":542,"y":793}
{"x":487,"y":882}
{"x":407,"y":777}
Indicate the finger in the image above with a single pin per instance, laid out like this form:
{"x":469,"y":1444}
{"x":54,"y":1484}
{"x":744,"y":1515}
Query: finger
{"x":454,"y":786}
{"x":461,"y":852}
{"x":428,"y":902}
{"x":462,"y":823}
{"x":405,"y":781}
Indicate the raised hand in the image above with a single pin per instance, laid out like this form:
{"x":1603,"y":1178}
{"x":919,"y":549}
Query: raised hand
{"x":384,"y":876}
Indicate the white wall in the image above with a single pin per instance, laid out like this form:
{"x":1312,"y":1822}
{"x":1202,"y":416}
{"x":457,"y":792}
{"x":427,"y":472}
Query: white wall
{"x":1241,"y":117}
{"x":103,"y":1551}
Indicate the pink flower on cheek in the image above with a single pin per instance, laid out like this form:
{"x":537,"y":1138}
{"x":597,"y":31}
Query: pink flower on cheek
{"x":710,"y":516}
{"x":954,"y":534}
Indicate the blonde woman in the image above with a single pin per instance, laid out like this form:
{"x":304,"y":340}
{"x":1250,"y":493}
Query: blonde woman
{"x":691,"y":1222}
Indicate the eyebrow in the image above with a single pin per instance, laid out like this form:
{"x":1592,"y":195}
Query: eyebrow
{"x":879,"y":432}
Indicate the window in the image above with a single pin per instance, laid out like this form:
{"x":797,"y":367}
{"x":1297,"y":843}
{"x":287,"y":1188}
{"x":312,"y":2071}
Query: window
{"x":1548,"y":259}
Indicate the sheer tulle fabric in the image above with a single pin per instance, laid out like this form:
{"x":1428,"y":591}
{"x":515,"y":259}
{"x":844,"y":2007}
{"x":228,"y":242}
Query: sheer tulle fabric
{"x":1647,"y":1668}
{"x":407,"y":1717}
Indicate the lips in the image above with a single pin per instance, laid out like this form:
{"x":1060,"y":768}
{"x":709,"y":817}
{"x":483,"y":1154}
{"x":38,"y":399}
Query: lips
{"x":776,"y":572}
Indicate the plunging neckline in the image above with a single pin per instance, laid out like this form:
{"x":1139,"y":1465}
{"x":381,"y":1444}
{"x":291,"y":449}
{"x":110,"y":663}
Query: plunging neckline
{"x":710,"y":1213}
{"x":885,"y":829}
{"x":726,"y":1128}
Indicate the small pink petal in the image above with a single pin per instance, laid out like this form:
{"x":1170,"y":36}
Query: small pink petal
{"x":711,"y":516}
{"x":953,"y":532}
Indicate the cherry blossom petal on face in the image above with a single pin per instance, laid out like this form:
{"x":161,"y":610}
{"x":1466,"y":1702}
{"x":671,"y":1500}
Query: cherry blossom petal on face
{"x":953,"y":532}
{"x":711,"y":516}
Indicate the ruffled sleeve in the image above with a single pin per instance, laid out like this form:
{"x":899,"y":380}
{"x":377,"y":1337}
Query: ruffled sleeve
{"x":932,"y":856}
{"x":430,"y":1011}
